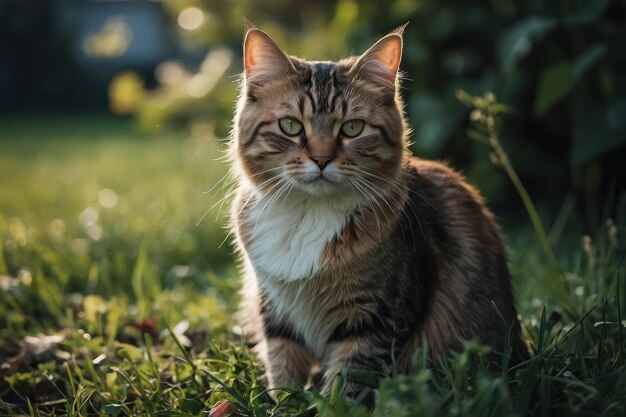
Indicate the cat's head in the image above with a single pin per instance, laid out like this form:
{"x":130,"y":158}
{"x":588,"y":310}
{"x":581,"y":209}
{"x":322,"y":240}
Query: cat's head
{"x":322,"y":128}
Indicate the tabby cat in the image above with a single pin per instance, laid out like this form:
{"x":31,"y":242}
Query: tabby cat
{"x":354,"y":253}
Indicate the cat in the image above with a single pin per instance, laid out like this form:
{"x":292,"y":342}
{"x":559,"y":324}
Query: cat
{"x":354,"y":253}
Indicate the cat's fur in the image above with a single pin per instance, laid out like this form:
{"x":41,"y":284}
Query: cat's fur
{"x":354,"y":252}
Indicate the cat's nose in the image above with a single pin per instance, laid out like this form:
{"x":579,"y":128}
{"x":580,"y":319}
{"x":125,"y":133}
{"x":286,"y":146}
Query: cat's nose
{"x":322,"y":161}
{"x":322,"y":150}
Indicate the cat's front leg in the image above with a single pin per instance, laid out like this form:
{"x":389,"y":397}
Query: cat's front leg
{"x":358,"y":355}
{"x":286,"y":361}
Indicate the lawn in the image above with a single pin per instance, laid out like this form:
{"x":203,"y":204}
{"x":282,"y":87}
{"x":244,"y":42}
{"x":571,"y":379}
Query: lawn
{"x":118,"y":293}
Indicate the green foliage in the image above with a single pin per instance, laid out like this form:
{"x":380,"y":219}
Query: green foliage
{"x":123,"y":324}
{"x":517,"y":41}
{"x":555,"y":83}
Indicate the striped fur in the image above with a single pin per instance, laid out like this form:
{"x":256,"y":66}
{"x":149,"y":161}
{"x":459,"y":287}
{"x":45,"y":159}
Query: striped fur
{"x":365,"y":258}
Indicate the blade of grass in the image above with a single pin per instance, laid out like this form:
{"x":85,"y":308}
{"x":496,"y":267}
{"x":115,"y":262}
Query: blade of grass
{"x":240,"y":400}
{"x":542,"y":330}
{"x":619,"y":312}
{"x":136,"y":279}
{"x":602,"y":334}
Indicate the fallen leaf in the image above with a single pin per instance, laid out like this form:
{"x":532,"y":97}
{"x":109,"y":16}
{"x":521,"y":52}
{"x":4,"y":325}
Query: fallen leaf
{"x":148,"y":325}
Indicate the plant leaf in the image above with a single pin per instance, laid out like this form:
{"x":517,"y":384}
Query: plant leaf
{"x":616,"y":115}
{"x":112,"y":409}
{"x":588,"y":12}
{"x":556,"y":81}
{"x":128,"y":351}
{"x":595,"y":133}
{"x":190,"y":405}
{"x":517,"y":41}
{"x":435,"y":120}
{"x":588,"y":59}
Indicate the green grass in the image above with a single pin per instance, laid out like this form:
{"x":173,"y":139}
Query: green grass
{"x":115,"y":301}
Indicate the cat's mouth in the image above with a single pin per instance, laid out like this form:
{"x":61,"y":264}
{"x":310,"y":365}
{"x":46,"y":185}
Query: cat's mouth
{"x":319,"y":183}
{"x":315,"y":180}
{"x":320,"y":178}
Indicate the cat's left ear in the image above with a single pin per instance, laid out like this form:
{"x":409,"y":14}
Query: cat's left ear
{"x":380,"y":63}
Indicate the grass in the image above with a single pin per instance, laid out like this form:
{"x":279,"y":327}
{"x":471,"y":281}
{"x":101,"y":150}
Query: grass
{"x":115,"y":301}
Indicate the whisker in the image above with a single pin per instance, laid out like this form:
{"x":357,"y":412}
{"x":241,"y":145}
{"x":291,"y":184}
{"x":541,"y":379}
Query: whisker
{"x":401,"y":210}
{"x":281,"y":184}
{"x":392,"y":181}
{"x":229,"y":194}
{"x":369,"y":201}
{"x":401,"y":188}
{"x":230,"y":174}
{"x":365,"y":183}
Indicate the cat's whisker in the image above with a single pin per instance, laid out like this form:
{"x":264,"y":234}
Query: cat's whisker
{"x":360,"y":191}
{"x":404,"y":188}
{"x":227,"y":153}
{"x":273,"y":182}
{"x":282,"y":183}
{"x":370,"y":202}
{"x":231,"y":191}
{"x":202,"y":217}
{"x":229,"y":194}
{"x":252,"y":195}
{"x":228,"y":176}
{"x":287,"y":182}
{"x":373,"y":173}
{"x":377,"y":193}
{"x":273,"y":199}
{"x":261,"y":190}
{"x":256,"y":174}
{"x":384,"y":198}
{"x":292,"y":184}
{"x":401,"y":187}
{"x":245,"y":204}
{"x":228,"y":235}
{"x":284,"y":193}
{"x":408,"y":201}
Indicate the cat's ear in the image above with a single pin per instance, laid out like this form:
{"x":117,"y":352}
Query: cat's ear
{"x":263,"y":60}
{"x":380,"y":63}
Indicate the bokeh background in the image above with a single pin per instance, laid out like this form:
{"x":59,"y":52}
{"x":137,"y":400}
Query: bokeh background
{"x":114,"y":116}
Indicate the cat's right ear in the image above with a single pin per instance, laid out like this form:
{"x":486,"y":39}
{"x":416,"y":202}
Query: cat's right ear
{"x":263,"y":60}
{"x":381,"y":62}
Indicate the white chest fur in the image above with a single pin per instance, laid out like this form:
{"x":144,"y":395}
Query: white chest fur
{"x":287,"y":238}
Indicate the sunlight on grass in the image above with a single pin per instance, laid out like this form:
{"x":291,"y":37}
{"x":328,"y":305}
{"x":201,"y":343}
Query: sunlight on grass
{"x":115,"y":216}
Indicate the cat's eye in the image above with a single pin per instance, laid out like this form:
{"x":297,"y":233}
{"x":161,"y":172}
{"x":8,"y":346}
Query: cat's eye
{"x":352,"y":128}
{"x":290,"y":126}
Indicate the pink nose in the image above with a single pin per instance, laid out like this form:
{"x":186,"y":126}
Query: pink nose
{"x":322,"y":161}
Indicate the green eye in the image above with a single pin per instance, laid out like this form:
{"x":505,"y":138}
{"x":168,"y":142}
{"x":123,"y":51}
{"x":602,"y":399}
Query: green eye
{"x":352,"y":128}
{"x":290,"y":126}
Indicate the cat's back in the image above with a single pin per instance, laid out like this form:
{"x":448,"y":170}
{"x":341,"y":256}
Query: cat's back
{"x":452,"y":211}
{"x":472,"y":290}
